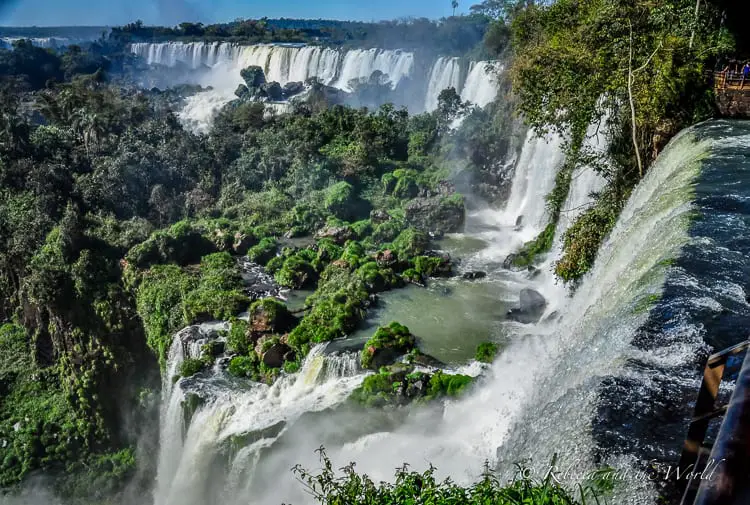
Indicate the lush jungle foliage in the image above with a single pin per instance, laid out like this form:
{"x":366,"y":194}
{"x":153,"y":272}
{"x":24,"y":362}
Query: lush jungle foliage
{"x":635,"y":69}
{"x":118,"y":227}
{"x":457,"y":35}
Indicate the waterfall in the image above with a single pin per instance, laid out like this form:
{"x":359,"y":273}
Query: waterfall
{"x":534,"y":179}
{"x":282,"y":63}
{"x":217,"y":65}
{"x":480,"y":87}
{"x":361,"y":63}
{"x":445,"y":73}
{"x":231,"y":411}
{"x":585,"y":180}
{"x":589,"y":384}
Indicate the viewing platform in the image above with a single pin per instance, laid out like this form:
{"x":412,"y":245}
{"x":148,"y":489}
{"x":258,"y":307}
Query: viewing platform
{"x":732,"y":94}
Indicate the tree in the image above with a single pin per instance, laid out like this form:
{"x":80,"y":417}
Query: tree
{"x":454,"y":4}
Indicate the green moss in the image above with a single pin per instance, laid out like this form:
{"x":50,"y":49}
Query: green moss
{"x":486,"y":352}
{"x":411,"y":275}
{"x":270,"y":315}
{"x":245,"y":367}
{"x":169,"y":298}
{"x":237,"y":338}
{"x":377,"y":279}
{"x":394,"y":337}
{"x":432,"y":266}
{"x":354,"y":254}
{"x":190,"y":367}
{"x":531,"y":251}
{"x":264,"y":251}
{"x":410,"y":243}
{"x":583,"y":238}
{"x":183,"y":243}
{"x":387,"y":231}
{"x":291,"y":367}
{"x":297,"y":272}
{"x":442,"y":384}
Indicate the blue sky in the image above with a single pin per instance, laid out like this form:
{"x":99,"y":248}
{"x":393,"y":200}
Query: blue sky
{"x":117,"y":12}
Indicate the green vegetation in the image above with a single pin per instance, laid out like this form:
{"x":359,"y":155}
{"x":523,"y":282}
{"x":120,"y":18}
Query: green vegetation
{"x":328,"y":487}
{"x":641,"y":66}
{"x":486,"y":352}
{"x":170,"y":297}
{"x":399,"y":385}
{"x":387,"y":341}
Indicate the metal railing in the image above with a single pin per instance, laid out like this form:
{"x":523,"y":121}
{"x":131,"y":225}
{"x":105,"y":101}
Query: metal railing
{"x":725,"y":487}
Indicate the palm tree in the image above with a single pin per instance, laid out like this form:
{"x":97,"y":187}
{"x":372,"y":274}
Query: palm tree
{"x":454,"y":3}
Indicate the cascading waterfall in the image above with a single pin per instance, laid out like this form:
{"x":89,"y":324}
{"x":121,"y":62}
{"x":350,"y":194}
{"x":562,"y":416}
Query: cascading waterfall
{"x":217,"y":65}
{"x":445,"y":73}
{"x":540,"y":397}
{"x":480,"y":87}
{"x":227,"y":411}
{"x":585,"y":180}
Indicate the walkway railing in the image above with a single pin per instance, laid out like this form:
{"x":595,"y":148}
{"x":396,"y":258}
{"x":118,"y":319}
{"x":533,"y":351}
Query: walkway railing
{"x":729,"y":457}
{"x":730,"y":80}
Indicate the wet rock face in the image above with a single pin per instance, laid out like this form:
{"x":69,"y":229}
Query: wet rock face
{"x":436,"y":214}
{"x":274,"y":357}
{"x":532,"y":307}
{"x":291,"y":89}
{"x":339,"y":234}
{"x":472,"y":276}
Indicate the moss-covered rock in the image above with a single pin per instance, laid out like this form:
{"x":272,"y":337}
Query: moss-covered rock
{"x":400,"y":384}
{"x":433,"y":266}
{"x":270,"y":316}
{"x":486,"y":352}
{"x":296,"y":273}
{"x":386,"y":345}
{"x":263,"y":252}
{"x":410,"y":242}
{"x":439,"y":214}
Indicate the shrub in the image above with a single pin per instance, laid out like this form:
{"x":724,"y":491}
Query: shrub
{"x":486,"y":352}
{"x":244,"y":367}
{"x":351,"y":488}
{"x":190,"y":367}
{"x":394,"y":338}
{"x":263,"y":252}
{"x":237,"y":338}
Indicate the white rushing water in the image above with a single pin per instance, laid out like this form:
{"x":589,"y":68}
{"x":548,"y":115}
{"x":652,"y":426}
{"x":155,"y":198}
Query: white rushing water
{"x":217,"y":65}
{"x":480,"y":87}
{"x":537,"y":399}
{"x":445,"y":73}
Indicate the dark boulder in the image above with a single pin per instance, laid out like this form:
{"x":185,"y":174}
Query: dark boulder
{"x":242,"y":92}
{"x":339,"y":234}
{"x":291,"y":89}
{"x":272,"y":91}
{"x":436,"y":214}
{"x":471,"y":276}
{"x":242,"y":242}
{"x":253,"y":76}
{"x":532,"y":307}
{"x":274,"y":356}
